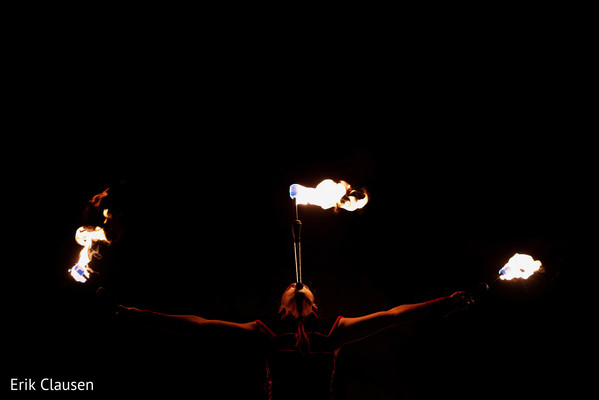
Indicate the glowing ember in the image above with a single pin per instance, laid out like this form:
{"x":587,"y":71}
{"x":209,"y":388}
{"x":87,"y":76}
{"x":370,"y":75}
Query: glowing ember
{"x":519,"y":266}
{"x":328,"y":194}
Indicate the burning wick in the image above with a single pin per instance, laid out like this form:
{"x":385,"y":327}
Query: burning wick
{"x":519,"y":266}
{"x":328,"y":194}
{"x":88,"y":237}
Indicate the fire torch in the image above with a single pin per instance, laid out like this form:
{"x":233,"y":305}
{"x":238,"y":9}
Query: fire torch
{"x":519,"y":266}
{"x":327,"y":194}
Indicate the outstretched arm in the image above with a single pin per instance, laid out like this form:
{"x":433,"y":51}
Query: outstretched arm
{"x":353,"y":329}
{"x":181,"y":323}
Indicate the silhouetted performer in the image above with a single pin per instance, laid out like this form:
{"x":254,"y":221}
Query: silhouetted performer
{"x":300,"y":347}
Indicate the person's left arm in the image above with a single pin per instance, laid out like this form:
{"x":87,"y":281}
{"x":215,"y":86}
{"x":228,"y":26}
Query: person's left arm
{"x":353,"y":329}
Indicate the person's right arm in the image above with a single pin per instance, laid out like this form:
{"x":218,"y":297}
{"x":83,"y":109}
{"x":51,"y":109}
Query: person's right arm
{"x":181,"y":323}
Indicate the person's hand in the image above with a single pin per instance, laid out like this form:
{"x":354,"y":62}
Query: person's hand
{"x":461,"y":300}
{"x":105,"y":303}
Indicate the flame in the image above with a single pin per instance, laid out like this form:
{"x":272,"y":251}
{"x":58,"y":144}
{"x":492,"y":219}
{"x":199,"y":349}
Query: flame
{"x":328,"y":194}
{"x":87,"y":237}
{"x":98,"y":198}
{"x":107,"y":215}
{"x":519,"y":266}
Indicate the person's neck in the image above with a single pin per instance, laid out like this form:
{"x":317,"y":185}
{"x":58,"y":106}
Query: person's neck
{"x":299,"y":310}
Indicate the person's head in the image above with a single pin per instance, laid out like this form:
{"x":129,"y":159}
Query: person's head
{"x":297,"y":300}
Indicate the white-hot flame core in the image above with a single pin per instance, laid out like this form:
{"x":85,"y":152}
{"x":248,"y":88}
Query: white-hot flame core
{"x":519,"y":266}
{"x":86,"y":237}
{"x":328,"y":194}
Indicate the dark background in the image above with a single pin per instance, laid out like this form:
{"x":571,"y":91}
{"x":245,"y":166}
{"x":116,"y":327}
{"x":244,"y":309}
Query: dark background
{"x":470,"y":153}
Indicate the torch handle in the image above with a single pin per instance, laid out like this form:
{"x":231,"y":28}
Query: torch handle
{"x":481,"y":287}
{"x":296,"y":230}
{"x":297,"y":248}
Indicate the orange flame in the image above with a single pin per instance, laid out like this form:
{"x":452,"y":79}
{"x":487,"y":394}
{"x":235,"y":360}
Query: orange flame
{"x":329,"y":194}
{"x":519,"y":266}
{"x":98,"y":198}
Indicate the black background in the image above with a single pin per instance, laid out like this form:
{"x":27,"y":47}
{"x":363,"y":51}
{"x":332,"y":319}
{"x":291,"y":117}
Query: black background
{"x":470,"y":153}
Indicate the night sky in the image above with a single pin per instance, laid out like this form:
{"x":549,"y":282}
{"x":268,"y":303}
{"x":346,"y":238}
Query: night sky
{"x":460,"y":175}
